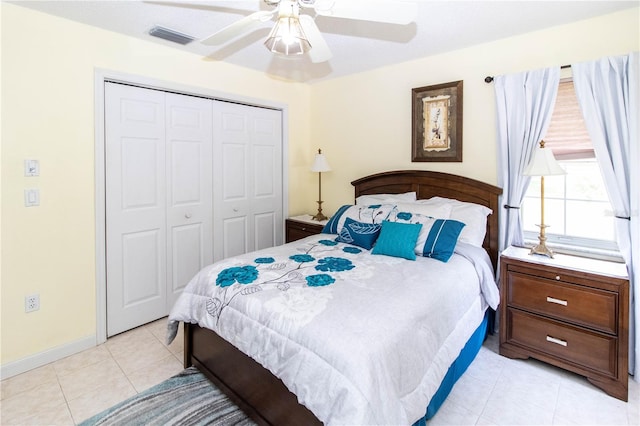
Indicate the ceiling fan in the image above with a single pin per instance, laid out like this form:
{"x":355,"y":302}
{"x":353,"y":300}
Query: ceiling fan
{"x":296,"y":33}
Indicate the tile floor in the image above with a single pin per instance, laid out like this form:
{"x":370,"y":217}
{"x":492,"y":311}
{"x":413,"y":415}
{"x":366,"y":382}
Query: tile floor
{"x":494,"y":391}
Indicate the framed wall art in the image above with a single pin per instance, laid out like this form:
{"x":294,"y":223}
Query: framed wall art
{"x":437,"y":122}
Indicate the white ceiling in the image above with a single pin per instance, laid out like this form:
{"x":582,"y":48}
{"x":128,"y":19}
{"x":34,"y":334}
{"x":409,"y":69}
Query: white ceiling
{"x":356,"y":45}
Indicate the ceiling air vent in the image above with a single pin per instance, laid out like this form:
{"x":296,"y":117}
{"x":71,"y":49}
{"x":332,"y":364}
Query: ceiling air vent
{"x":171,"y":35}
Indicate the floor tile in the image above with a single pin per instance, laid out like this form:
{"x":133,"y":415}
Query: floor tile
{"x":155,"y":373}
{"x":158,"y":328}
{"x":506,"y":409}
{"x":471,"y":393}
{"x":135,"y":357}
{"x":83,"y":359}
{"x":486,"y":367}
{"x":58,"y":416}
{"x":28,"y":381}
{"x":38,"y":401}
{"x":101,"y":398}
{"x":130,"y":339}
{"x":590,"y":405}
{"x":88,"y":378}
{"x":452,"y":413}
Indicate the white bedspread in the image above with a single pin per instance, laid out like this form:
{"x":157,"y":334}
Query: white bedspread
{"x":359,"y":338}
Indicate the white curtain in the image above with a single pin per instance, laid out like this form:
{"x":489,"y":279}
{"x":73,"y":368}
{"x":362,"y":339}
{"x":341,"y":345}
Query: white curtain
{"x":524,"y":107}
{"x":608,"y":92}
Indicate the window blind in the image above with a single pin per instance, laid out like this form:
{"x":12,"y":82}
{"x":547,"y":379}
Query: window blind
{"x":567,"y":135}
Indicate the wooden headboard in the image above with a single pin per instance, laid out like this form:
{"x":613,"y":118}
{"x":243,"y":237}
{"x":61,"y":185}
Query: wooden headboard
{"x":430,"y":184}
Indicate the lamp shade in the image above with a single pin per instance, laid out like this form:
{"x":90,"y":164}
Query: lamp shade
{"x":287,"y":37}
{"x":320,"y":164}
{"x":543,"y":163}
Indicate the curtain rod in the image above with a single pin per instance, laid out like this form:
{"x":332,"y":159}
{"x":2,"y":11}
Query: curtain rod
{"x":489,"y":79}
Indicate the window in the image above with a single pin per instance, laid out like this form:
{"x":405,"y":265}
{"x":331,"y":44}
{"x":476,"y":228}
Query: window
{"x":577,"y":208}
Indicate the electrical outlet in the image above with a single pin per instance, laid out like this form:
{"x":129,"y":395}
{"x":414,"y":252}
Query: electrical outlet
{"x":32,"y":303}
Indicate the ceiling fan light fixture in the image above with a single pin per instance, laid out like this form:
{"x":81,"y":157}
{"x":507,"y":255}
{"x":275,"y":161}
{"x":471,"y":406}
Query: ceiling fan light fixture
{"x":287,"y":37}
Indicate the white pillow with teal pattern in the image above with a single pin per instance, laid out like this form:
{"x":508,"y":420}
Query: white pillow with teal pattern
{"x":437,"y":211}
{"x":372,"y":214}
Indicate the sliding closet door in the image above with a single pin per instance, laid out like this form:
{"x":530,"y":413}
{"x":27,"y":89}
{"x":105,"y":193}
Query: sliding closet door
{"x":248,"y":191}
{"x":158,"y":200}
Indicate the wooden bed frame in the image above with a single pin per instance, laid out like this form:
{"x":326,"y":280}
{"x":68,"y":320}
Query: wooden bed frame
{"x":260,"y":394}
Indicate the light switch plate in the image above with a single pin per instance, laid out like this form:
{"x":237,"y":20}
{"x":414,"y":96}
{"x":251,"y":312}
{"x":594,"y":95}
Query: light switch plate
{"x":31,"y":197}
{"x":31,"y":168}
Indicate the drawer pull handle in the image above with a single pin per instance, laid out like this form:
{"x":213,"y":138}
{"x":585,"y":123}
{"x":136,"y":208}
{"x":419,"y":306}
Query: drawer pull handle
{"x":557,"y":277}
{"x":556,"y":341}
{"x":557,"y":301}
{"x":304,"y":229}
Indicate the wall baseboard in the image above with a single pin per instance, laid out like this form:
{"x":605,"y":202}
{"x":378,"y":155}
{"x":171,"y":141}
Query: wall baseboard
{"x":23,"y":365}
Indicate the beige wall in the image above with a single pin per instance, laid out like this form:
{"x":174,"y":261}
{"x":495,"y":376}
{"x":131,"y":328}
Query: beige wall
{"x":48,"y":114}
{"x":363,"y":121}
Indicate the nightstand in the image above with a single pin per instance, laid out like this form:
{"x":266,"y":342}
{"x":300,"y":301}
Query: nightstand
{"x":567,"y":311}
{"x":298,"y":227}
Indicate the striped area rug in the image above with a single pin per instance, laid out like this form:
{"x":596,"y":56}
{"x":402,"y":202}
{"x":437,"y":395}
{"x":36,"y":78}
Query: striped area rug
{"x":185,"y":399}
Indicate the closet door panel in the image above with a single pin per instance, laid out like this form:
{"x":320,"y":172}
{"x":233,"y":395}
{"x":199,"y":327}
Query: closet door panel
{"x":265,"y":225}
{"x":234,"y":236}
{"x":189,"y":190}
{"x":231,"y":186}
{"x":142,"y":261}
{"x":135,"y":206}
{"x":267,"y":177}
{"x":234,"y":173}
{"x":187,"y":248}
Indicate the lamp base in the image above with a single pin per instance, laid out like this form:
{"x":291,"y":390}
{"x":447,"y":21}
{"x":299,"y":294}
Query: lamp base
{"x":541,"y":247}
{"x":319,"y":217}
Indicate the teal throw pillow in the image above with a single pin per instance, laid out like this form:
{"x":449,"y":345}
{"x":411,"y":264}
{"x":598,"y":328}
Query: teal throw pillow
{"x":398,"y":239}
{"x":359,"y":234}
{"x":442,"y":239}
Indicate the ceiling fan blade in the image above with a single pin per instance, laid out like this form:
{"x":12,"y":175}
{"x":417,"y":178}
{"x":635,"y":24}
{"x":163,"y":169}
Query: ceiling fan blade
{"x":320,"y":51}
{"x":393,"y":12}
{"x":239,"y":27}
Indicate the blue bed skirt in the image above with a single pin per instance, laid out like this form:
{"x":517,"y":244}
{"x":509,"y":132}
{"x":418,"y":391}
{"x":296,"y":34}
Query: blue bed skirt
{"x":459,"y":366}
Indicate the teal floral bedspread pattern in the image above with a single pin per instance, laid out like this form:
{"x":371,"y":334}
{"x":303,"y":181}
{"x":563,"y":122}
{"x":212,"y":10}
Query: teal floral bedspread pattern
{"x":317,"y":266}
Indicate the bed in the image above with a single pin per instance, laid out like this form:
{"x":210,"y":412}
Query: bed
{"x":351,"y":395}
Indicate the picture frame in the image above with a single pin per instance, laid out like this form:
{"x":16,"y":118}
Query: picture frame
{"x":437,"y":123}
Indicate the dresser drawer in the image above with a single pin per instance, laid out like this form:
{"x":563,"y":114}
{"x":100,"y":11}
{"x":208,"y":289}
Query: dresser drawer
{"x":296,"y":230}
{"x":597,"y":309}
{"x":590,"y":350}
{"x":294,"y":234}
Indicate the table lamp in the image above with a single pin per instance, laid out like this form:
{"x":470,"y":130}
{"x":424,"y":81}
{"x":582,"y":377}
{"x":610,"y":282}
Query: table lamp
{"x":542,"y":164}
{"x":320,"y":165}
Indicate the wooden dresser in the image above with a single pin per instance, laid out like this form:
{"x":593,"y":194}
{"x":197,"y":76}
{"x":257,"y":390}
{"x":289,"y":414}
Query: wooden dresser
{"x":298,"y":227}
{"x":567,"y":311}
